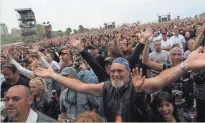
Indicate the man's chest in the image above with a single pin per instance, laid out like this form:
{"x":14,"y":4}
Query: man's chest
{"x":177,"y":40}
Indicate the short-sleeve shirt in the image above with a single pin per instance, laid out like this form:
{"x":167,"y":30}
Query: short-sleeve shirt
{"x":166,"y":44}
{"x":178,"y":40}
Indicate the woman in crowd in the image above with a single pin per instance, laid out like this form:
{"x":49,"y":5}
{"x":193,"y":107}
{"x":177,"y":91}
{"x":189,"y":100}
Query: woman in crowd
{"x":163,"y":106}
{"x":43,"y":101}
{"x":89,"y":117}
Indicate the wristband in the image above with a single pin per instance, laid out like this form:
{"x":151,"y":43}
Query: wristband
{"x":183,"y":67}
{"x":55,"y":76}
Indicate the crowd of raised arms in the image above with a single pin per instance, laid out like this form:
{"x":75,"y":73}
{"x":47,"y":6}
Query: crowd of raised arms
{"x":143,"y":73}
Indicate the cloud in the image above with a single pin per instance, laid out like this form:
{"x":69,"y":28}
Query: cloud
{"x":93,"y":13}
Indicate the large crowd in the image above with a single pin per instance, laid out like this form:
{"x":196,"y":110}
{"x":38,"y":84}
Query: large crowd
{"x":151,"y":72}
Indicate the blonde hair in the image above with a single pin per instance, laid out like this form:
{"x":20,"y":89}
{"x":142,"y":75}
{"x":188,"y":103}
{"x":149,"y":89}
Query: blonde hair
{"x":89,"y":117}
{"x":40,"y":81}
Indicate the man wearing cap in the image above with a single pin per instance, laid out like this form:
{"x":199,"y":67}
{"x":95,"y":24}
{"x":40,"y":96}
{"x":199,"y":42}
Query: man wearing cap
{"x":120,"y":95}
{"x":12,"y":77}
{"x":103,"y":72}
{"x":73,"y":103}
{"x":66,"y":59}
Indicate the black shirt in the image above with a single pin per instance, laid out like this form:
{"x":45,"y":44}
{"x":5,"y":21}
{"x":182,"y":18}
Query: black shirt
{"x":6,"y":85}
{"x":100,"y":60}
{"x":124,"y":101}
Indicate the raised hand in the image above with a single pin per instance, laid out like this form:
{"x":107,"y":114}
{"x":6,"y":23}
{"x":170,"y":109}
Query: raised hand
{"x":151,"y":38}
{"x":137,"y":79}
{"x":83,"y":66}
{"x":147,"y":33}
{"x":74,"y":42}
{"x":196,"y":60}
{"x":46,"y":73}
{"x":35,"y":48}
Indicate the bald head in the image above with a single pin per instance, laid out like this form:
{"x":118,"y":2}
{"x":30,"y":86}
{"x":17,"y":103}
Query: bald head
{"x":17,"y":102}
{"x":21,"y":89}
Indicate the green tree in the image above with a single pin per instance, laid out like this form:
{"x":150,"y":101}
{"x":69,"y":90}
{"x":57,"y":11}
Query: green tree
{"x":60,"y":33}
{"x":75,"y":31}
{"x":68,"y":31}
{"x":81,"y":28}
{"x":202,"y":14}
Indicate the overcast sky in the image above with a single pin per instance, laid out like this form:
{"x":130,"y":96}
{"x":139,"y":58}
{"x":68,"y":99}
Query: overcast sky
{"x":93,"y":13}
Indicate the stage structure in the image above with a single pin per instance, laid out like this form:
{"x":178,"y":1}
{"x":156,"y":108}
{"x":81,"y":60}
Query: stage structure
{"x":48,"y":29}
{"x":109,"y":25}
{"x":164,"y":18}
{"x":27,"y":23}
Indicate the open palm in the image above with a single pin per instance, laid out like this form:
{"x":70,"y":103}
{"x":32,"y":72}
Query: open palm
{"x":137,"y":79}
{"x":196,"y":60}
{"x":44,"y":72}
{"x":147,"y":33}
{"x":74,"y":42}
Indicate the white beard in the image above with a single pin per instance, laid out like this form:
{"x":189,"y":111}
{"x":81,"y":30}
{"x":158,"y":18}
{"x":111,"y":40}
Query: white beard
{"x":117,"y":84}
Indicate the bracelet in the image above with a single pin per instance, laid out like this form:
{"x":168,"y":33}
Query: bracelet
{"x":183,"y":67}
{"x":55,"y":76}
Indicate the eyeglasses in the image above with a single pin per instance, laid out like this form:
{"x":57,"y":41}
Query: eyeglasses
{"x":119,"y":71}
{"x":14,"y":99}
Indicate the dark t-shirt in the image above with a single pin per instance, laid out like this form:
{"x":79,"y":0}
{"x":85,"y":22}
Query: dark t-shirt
{"x":100,"y":60}
{"x":6,"y":85}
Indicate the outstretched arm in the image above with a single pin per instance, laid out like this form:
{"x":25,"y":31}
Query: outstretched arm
{"x":91,"y":89}
{"x":97,"y":68}
{"x":134,"y":59}
{"x":21,"y":69}
{"x":44,"y":62}
{"x":194,"y":62}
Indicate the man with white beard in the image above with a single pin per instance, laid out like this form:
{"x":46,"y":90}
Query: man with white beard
{"x":121,"y":99}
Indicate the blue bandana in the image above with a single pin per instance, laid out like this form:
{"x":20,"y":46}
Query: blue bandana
{"x":122,"y":61}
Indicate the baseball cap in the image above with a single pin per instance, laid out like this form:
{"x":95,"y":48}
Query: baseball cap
{"x":92,"y":47}
{"x":122,"y":61}
{"x":109,"y":59}
{"x":68,"y":71}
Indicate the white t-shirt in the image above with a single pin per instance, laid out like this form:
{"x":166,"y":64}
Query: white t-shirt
{"x":178,"y":40}
{"x":161,"y":58}
{"x":32,"y":117}
{"x":55,"y":65}
{"x":166,"y":44}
